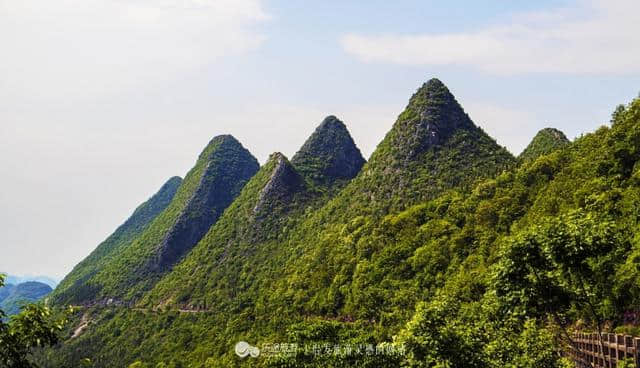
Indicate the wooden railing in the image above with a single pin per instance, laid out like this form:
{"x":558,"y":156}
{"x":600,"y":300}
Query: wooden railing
{"x":586,"y":351}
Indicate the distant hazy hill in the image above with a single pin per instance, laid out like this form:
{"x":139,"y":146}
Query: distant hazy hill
{"x":15,"y":280}
{"x":13,"y":296}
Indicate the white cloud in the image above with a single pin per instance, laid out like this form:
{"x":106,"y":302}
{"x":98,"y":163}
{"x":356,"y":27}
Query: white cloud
{"x":594,"y":36}
{"x":73,"y":48}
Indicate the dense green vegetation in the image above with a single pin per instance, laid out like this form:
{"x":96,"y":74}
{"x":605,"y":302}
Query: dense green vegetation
{"x":210,"y":186}
{"x":15,"y":280}
{"x":74,"y":289}
{"x":34,"y":327}
{"x":12,"y":297}
{"x":330,"y":155}
{"x":442,"y":252}
{"x":546,"y":141}
{"x":144,"y":256}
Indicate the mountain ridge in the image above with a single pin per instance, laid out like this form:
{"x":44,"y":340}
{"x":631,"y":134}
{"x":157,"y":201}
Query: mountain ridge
{"x":70,"y":289}
{"x":268,"y":204}
{"x":13,"y":297}
{"x":220,"y":172}
{"x":208,"y":201}
{"x":435,"y":247}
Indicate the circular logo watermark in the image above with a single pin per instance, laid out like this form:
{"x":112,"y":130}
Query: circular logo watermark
{"x":244,"y":349}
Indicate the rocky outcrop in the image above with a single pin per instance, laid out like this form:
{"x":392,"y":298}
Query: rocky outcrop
{"x":282,"y":185}
{"x":432,"y":115}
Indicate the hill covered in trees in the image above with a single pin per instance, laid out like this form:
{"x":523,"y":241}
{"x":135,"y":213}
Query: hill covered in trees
{"x":443,"y":250}
{"x":545,"y":141}
{"x":13,"y":297}
{"x":76,"y":285}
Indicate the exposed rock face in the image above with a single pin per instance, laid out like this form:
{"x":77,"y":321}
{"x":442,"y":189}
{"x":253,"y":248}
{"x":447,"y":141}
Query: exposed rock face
{"x":329,"y":154}
{"x":283,"y":183}
{"x":433,"y":115}
{"x":229,"y":166}
{"x":546,"y":141}
{"x":433,"y":146}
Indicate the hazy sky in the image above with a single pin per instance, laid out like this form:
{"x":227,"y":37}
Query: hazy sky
{"x":104,"y":100}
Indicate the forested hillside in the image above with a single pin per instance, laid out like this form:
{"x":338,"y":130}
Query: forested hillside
{"x":125,"y":271}
{"x":443,"y":250}
{"x":75,"y":288}
{"x":13,"y":297}
{"x":546,"y":141}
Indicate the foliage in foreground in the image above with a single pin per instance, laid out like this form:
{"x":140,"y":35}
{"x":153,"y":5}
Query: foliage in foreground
{"x":34,"y":327}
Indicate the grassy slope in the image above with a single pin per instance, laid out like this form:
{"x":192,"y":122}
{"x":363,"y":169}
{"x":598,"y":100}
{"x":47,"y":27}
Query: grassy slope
{"x":72,"y":289}
{"x":220,"y":154}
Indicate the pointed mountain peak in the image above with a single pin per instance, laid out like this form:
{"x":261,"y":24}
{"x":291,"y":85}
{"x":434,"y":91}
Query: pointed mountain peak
{"x":284,"y":181}
{"x":431,"y":92}
{"x":435,"y":84}
{"x":545,"y":141}
{"x":331,"y":122}
{"x":553,"y":133}
{"x":432,"y":147}
{"x":223,"y":141}
{"x":278,"y":158}
{"x":222,"y":170}
{"x":431,"y":117}
{"x":76,"y":287}
{"x":329,"y":154}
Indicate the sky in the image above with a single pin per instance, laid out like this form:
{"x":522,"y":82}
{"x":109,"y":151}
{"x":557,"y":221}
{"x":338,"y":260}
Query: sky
{"x":103,"y":100}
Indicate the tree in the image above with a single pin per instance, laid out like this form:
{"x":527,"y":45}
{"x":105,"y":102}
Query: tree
{"x":563,"y":266}
{"x":617,"y":113}
{"x":35,"y":326}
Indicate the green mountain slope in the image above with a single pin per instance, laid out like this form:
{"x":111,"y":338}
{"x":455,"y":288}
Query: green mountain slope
{"x":257,"y":217}
{"x":251,"y":233}
{"x":449,"y":138}
{"x":441,"y":252}
{"x":12,"y":279}
{"x":12,"y":297}
{"x":253,"y":277}
{"x":433,"y":146}
{"x":545,"y":141}
{"x":73,"y":288}
{"x":5,"y":291}
{"x":247,"y":238}
{"x":221,"y":171}
{"x":330,"y":155}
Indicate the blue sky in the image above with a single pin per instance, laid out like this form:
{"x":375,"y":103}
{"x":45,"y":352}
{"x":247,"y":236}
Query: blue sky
{"x":103,"y":100}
